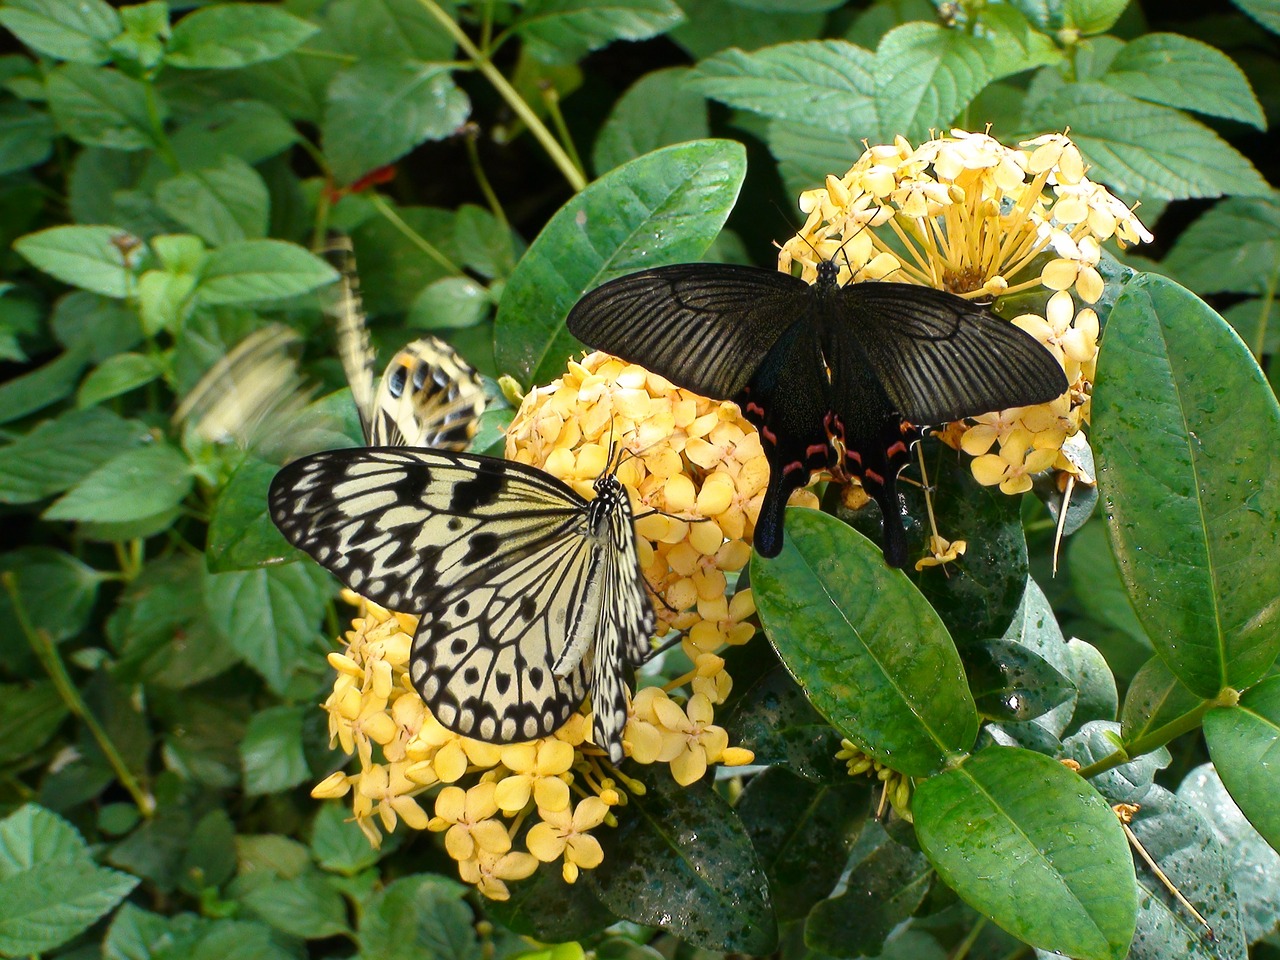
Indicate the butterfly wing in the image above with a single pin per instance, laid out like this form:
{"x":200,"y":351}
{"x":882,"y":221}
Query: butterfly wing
{"x":427,"y":397}
{"x":703,"y":326}
{"x":346,"y":309}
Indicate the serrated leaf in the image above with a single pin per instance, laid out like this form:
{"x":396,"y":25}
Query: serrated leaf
{"x":659,"y":109}
{"x":338,"y":844}
{"x":563,"y":31}
{"x":711,"y":893}
{"x":115,"y":376}
{"x":807,"y":154}
{"x":85,"y":257}
{"x":872,"y":655}
{"x":307,"y":907}
{"x":50,"y":890}
{"x":271,"y":752}
{"x":925,"y":75}
{"x":822,"y":83}
{"x":26,"y":135}
{"x":994,"y":830}
{"x":220,"y":204}
{"x":232,"y":35}
{"x":1188,"y":441}
{"x":1143,"y":149}
{"x":77,"y":32}
{"x":29,"y":714}
{"x":132,"y":486}
{"x":1183,"y":72}
{"x":60,"y":452}
{"x":419,"y":916}
{"x":270,"y":616}
{"x":664,"y":207}
{"x":378,"y":110}
{"x":1244,"y":742}
{"x":1092,"y":16}
{"x":1016,"y":45}
{"x":714,"y":25}
{"x":1233,"y":248}
{"x":257,"y":270}
{"x":389,"y":28}
{"x":101,"y":107}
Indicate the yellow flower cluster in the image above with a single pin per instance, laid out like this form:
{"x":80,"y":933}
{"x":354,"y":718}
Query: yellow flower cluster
{"x":896,"y":787}
{"x":965,"y":213}
{"x":685,"y":455}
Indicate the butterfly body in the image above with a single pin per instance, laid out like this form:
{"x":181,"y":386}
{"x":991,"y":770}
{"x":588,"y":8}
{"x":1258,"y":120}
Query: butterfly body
{"x":839,"y":378}
{"x":529,"y":596}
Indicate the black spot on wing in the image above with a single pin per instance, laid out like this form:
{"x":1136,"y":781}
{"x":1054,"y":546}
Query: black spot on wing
{"x":481,"y":547}
{"x":480,"y":490}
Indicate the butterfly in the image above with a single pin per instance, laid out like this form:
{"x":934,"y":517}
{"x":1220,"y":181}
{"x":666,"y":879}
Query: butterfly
{"x":530,"y":596}
{"x":428,"y":396}
{"x":835,"y":377}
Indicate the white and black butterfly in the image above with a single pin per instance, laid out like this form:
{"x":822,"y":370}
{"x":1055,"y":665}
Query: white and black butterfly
{"x":529,"y":596}
{"x":428,"y":396}
{"x":836,"y":378}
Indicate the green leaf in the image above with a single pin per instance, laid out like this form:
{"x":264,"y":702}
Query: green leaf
{"x":714,"y":25}
{"x":77,"y":32}
{"x":248,"y":129}
{"x":1258,"y":886}
{"x":1009,"y":682}
{"x":45,"y":385}
{"x":50,"y":889}
{"x":1098,"y":698}
{"x":393,"y":270}
{"x":59,"y":453}
{"x":271,"y":751}
{"x":1143,"y":149}
{"x":1095,"y":574}
{"x":807,"y":154}
{"x":29,"y":714}
{"x":884,"y":889}
{"x":1252,"y":320}
{"x":419,"y":916}
{"x":91,"y":258}
{"x":659,"y":109}
{"x":137,"y":934}
{"x":1092,"y":16}
{"x":564,"y":31}
{"x":665,"y":207}
{"x":994,"y":828}
{"x":241,"y":534}
{"x":1127,"y":783}
{"x":399,"y":29}
{"x":711,"y":894}
{"x":219,"y":204}
{"x":135,"y":485}
{"x":1244,"y":742}
{"x":449,"y":303}
{"x":258,"y":270}
{"x":1178,"y":71}
{"x":57,"y":590}
{"x":546,"y":908}
{"x":103,"y":326}
{"x":1015,"y":44}
{"x":870,"y":652}
{"x":26,"y":134}
{"x":1233,"y":248}
{"x":1188,"y":442}
{"x":232,"y":35}
{"x":210,"y":857}
{"x":271,"y":616}
{"x":1035,"y":628}
{"x":146,"y":28}
{"x":1264,"y":11}
{"x":802,"y":833}
{"x":1155,"y":699}
{"x":115,"y":376}
{"x":925,"y":76}
{"x":338,"y":844}
{"x":307,"y":907}
{"x":101,"y":107}
{"x":379,"y":110}
{"x":486,"y":245}
{"x":821,"y":83}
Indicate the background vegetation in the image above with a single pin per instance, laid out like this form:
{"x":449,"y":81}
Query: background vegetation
{"x":164,"y":171}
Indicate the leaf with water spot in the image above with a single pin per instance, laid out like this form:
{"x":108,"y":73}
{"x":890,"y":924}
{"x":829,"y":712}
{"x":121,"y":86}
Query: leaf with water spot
{"x":1244,"y":742}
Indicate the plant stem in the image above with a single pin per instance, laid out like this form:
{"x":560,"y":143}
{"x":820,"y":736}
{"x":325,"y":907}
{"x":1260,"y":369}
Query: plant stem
{"x":163,"y":146}
{"x":477,"y":170}
{"x":47,"y":653}
{"x":965,"y":945}
{"x":508,"y":93}
{"x":1158,"y":738}
{"x":417,"y":239}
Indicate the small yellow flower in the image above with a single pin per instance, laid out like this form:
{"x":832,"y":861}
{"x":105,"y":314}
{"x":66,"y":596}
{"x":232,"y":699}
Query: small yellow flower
{"x":537,"y":773}
{"x":564,"y":833}
{"x":466,"y":816}
{"x":488,"y":872}
{"x":1013,"y":468}
{"x":941,"y":551}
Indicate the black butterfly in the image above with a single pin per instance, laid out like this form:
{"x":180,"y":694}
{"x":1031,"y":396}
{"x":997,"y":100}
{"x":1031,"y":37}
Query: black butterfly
{"x":840,"y":378}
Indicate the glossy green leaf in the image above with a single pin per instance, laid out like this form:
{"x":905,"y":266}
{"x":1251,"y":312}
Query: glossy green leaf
{"x":231,"y":35}
{"x":1014,"y":43}
{"x":1188,"y":441}
{"x":420,"y":916}
{"x":1244,"y":742}
{"x":1183,"y":72}
{"x":393,"y":271}
{"x":57,"y":591}
{"x":883,"y":890}
{"x":379,"y":110}
{"x":257,"y":270}
{"x":802,"y":833}
{"x":1257,"y":886}
{"x":26,"y":135}
{"x":925,"y":76}
{"x":994,"y":830}
{"x":115,"y":376}
{"x":712,"y":893}
{"x":1127,"y":783}
{"x":132,"y":486}
{"x":50,"y":888}
{"x":1097,"y":696}
{"x":271,"y":751}
{"x":548,"y":909}
{"x":450,"y":302}
{"x":659,"y":109}
{"x":101,"y":107}
{"x":58,"y":453}
{"x":220,"y":204}
{"x":870,"y":652}
{"x":562,"y":31}
{"x":1035,"y":628}
{"x":78,"y":33}
{"x":85,"y":257}
{"x":1234,"y":247}
{"x":1009,"y":682}
{"x":1143,"y":149}
{"x":1155,"y":699}
{"x":1094,"y":573}
{"x":241,"y":534}
{"x":665,"y":207}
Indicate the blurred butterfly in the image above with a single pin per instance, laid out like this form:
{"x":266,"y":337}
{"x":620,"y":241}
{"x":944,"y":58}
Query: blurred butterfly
{"x":836,"y":377}
{"x":428,"y":396}
{"x":530,"y":597}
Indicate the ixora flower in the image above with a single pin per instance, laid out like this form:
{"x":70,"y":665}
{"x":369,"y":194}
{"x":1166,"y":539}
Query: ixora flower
{"x":966,"y":214}
{"x":696,"y":474}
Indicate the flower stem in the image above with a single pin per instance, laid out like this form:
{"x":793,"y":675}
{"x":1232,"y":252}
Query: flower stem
{"x":47,"y":653}
{"x":508,"y":93}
